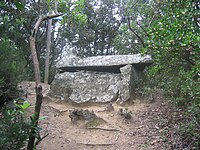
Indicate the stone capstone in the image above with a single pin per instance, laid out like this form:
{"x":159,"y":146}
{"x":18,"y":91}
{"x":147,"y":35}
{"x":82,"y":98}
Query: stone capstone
{"x":109,"y":63}
{"x":108,"y":60}
{"x":99,"y":79}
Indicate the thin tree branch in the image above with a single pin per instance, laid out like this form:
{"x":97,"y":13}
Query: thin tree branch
{"x":151,"y":21}
{"x":38,"y":141}
{"x":132,"y":30}
{"x":41,"y":19}
{"x":143,"y":29}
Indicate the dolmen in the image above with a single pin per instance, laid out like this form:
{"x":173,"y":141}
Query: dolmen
{"x":99,"y":79}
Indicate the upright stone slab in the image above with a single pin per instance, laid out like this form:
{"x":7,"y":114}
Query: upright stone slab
{"x":127,"y":89}
{"x":95,"y":87}
{"x":81,"y":87}
{"x":62,"y":86}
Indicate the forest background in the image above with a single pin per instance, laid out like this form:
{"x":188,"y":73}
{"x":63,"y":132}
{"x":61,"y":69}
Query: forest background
{"x":168,"y":30}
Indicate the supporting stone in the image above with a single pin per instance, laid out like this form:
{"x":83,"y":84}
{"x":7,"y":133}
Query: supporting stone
{"x":127,"y":89}
{"x":86,"y":86}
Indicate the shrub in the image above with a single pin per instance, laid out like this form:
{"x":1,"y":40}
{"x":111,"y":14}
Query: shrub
{"x":14,"y":127}
{"x":174,"y":42}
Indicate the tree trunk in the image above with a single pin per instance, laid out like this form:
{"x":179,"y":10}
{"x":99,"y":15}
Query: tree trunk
{"x":35,"y":60}
{"x":38,"y":87}
{"x":35,"y":118}
{"x":46,"y":76}
{"x":32,"y":40}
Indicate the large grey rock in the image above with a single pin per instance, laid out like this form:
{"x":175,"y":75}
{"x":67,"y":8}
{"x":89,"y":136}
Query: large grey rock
{"x":83,"y":87}
{"x":99,"y":79}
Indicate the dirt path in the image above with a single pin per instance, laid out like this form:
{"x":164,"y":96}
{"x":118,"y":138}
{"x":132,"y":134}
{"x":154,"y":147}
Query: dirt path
{"x":142,"y":131}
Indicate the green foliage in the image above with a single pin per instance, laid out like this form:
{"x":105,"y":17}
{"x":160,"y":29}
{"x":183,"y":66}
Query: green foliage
{"x":189,"y":129}
{"x":12,"y":62}
{"x":14,"y":127}
{"x":138,"y":16}
{"x":19,"y":5}
{"x":175,"y":46}
{"x":73,"y":9}
{"x":17,"y":22}
{"x":77,"y":11}
{"x":90,"y":27}
{"x":125,"y":42}
{"x":194,"y":132}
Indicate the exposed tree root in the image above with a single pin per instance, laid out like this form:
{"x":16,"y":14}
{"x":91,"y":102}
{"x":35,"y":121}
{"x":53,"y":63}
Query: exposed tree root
{"x":96,"y":144}
{"x":98,"y":128}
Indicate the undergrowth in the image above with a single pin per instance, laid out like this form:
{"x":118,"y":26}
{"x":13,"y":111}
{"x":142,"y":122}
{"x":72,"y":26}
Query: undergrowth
{"x":14,"y":127}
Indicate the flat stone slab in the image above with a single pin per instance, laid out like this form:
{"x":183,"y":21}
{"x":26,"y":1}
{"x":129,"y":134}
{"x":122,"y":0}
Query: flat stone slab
{"x":112,"y":60}
{"x":109,"y":60}
{"x":109,"y":63}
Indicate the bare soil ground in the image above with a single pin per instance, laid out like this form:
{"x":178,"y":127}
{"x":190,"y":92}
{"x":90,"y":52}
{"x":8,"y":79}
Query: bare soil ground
{"x":146,"y":130}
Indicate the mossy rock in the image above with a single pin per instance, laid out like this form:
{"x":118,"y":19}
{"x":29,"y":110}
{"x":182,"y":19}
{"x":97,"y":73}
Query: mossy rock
{"x":91,"y":119}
